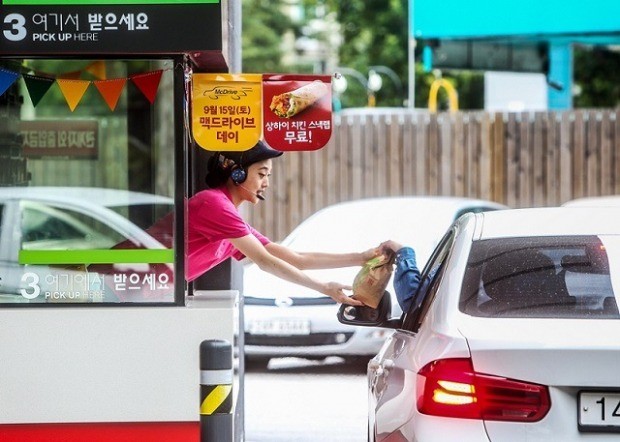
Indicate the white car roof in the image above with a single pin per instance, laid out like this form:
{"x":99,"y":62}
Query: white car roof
{"x":91,"y":195}
{"x":594,"y":201}
{"x":367,"y":222}
{"x":550,"y":221}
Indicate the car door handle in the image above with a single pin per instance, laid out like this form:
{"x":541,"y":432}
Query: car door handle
{"x":373,"y":364}
{"x":388,"y":364}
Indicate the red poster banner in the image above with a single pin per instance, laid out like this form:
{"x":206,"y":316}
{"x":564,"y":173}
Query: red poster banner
{"x":297,"y":111}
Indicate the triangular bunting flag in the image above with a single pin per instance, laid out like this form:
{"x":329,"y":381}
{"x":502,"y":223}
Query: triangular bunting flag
{"x":73,"y":90}
{"x":37,"y":87}
{"x":111,"y":90}
{"x":148,"y":83}
{"x":97,"y":68}
{"x":7,"y":78}
{"x":73,"y":75}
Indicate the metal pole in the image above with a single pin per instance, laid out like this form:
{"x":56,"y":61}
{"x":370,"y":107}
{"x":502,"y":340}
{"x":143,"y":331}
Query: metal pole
{"x":216,"y":377}
{"x":411,"y":56}
{"x":234,"y":36}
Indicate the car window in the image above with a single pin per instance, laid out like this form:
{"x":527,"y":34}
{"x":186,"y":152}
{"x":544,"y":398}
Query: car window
{"x":431,"y":276}
{"x":566,"y":277}
{"x":45,"y":227}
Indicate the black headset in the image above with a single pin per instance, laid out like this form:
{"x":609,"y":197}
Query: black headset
{"x":238,"y":174}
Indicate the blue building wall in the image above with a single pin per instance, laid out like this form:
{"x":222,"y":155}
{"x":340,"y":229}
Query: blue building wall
{"x":492,"y":18}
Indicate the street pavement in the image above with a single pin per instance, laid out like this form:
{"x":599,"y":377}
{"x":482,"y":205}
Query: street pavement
{"x":296,"y":400}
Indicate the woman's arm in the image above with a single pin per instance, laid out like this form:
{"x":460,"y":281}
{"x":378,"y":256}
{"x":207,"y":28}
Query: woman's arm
{"x":251,"y":247}
{"x":318,"y":260}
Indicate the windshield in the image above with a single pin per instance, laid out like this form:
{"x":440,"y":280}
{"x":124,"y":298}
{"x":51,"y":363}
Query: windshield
{"x":566,"y":277}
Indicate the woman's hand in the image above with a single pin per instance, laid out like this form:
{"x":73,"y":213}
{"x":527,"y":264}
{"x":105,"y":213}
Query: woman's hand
{"x":370,"y":254}
{"x":335,"y":290}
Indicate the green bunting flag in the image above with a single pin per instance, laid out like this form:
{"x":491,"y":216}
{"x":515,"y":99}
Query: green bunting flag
{"x":37,"y":87}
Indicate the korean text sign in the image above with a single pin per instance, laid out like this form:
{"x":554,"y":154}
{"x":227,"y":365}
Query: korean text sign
{"x":297,"y":111}
{"x":226,"y":111}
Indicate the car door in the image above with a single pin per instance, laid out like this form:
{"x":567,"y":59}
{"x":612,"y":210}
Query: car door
{"x":391,"y":378}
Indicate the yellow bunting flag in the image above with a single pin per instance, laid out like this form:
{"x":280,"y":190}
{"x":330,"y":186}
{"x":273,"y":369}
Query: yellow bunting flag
{"x":111,"y":90}
{"x":97,"y":69}
{"x":73,"y":90}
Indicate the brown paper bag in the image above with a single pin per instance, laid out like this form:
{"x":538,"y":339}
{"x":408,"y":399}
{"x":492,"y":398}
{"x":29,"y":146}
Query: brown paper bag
{"x":371,"y":281}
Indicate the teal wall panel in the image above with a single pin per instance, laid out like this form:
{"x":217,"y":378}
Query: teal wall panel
{"x":486,"y":18}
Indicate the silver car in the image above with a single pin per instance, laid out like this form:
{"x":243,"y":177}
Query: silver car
{"x":512,"y":335}
{"x":284,"y":319}
{"x":41,"y":219}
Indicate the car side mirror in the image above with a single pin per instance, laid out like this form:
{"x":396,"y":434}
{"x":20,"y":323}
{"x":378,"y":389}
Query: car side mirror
{"x":368,"y":316}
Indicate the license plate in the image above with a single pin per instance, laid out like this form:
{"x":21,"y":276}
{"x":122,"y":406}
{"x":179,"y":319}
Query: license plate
{"x":280,"y":327}
{"x":599,"y":411}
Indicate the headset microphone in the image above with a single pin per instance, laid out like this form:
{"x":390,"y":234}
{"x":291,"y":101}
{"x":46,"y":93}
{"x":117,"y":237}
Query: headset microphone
{"x":258,"y":195}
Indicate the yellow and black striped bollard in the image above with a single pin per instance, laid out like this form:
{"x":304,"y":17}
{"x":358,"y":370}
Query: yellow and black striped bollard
{"x":216,"y":399}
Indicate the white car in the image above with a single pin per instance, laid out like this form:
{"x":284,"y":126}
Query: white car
{"x":594,"y":201}
{"x":284,"y":319}
{"x":69,"y":219}
{"x":512,"y":335}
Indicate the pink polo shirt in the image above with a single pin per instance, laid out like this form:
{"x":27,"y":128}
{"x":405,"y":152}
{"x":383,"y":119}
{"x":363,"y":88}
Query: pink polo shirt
{"x":212,"y":220}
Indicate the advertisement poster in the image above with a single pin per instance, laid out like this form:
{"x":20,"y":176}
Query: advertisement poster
{"x":226,"y":111}
{"x":297,"y":111}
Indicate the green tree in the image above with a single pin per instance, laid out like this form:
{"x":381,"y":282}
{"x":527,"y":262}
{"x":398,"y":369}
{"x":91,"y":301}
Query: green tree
{"x":375,"y":33}
{"x":263,"y":26}
{"x":596,"y":75}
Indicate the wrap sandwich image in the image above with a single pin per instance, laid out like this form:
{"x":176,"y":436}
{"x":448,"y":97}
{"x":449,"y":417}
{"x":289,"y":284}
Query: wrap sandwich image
{"x":291,"y":103}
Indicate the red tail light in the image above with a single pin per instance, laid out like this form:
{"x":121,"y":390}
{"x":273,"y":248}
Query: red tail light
{"x":451,"y":387}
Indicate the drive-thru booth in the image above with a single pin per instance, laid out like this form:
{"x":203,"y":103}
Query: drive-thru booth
{"x":100,"y":340}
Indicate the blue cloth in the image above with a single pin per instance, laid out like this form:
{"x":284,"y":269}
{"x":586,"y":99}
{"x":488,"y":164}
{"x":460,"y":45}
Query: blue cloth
{"x":406,"y":277}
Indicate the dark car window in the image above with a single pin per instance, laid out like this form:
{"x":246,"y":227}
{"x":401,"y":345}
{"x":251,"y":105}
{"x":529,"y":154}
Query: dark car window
{"x":431,"y":275}
{"x":565,"y":277}
{"x":39,"y":226}
{"x":48,"y":227}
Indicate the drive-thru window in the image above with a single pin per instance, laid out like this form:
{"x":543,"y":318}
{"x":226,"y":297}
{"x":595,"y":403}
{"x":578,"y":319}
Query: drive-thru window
{"x":100,"y":340}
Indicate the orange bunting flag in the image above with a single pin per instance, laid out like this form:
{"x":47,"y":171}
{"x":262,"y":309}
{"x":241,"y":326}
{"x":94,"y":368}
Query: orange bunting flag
{"x":147,"y":83}
{"x":97,"y":69}
{"x":73,"y":90}
{"x":111,"y":90}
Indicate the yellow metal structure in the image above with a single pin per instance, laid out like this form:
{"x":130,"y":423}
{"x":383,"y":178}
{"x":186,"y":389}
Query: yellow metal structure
{"x":453,"y":99}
